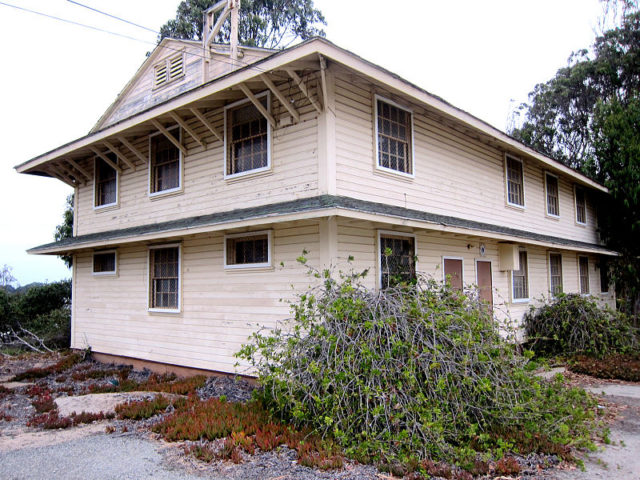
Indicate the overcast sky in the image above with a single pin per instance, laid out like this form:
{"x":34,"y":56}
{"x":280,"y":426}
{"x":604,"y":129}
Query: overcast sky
{"x":56,"y":79}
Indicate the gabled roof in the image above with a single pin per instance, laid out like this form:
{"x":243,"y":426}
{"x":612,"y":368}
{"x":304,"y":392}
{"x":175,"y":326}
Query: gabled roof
{"x":310,"y":49}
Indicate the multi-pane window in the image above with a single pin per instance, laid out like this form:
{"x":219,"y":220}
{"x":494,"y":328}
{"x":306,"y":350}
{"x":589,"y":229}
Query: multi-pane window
{"x":397,"y":260}
{"x":553,"y":203}
{"x":106,"y":183}
{"x":515,"y":182}
{"x":583,"y":273}
{"x":104,"y":263}
{"x":165,"y":163}
{"x":555,"y":273}
{"x":247,"y":250}
{"x":164,"y":275}
{"x":581,"y":206}
{"x":521,"y":279}
{"x":247,"y":138}
{"x":393,"y":125}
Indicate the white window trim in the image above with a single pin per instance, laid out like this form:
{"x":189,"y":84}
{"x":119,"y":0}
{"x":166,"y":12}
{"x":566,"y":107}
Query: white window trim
{"x":506,"y":182}
{"x":546,"y":194}
{"x":226,"y":135}
{"x":95,"y":186}
{"x":448,"y":257}
{"x":115,"y":263}
{"x":549,"y":253}
{"x":522,"y":300}
{"x":266,"y":264}
{"x":378,"y":167}
{"x":180,"y":166}
{"x":588,"y":276}
{"x":382,"y":233}
{"x":575,"y":205}
{"x":150,"y":288}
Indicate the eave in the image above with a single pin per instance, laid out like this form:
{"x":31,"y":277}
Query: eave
{"x":313,"y":208}
{"x":285,"y":59}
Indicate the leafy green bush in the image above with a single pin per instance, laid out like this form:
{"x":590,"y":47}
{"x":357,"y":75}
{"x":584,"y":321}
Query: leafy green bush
{"x":574,"y":324}
{"x":410,"y":373}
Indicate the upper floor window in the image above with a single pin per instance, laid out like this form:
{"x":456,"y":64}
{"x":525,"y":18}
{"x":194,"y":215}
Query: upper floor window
{"x":106,"y":183}
{"x":397,"y":259}
{"x":104,"y":263}
{"x":394,"y":132}
{"x":515,"y":181}
{"x":583,"y":273}
{"x":168,"y":70}
{"x":247,"y":137}
{"x":553,"y":200}
{"x":581,"y":206}
{"x":165,"y":173}
{"x":555,"y":273}
{"x":164,"y":278}
{"x":520,"y":279}
{"x":248,"y":250}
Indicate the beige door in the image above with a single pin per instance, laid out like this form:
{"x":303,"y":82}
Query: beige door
{"x":453,"y":272}
{"x":485,"y":284}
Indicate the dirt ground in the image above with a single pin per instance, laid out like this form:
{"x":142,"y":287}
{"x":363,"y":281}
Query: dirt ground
{"x":127,"y":450}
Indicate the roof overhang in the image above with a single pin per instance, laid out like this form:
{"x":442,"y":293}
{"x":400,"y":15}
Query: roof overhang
{"x":309,"y":49}
{"x":307,"y":209}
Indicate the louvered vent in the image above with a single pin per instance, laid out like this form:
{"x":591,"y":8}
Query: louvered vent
{"x":175,"y":67}
{"x":161,"y":75}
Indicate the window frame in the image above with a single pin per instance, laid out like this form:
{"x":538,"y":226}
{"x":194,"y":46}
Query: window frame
{"x":151,"y":309}
{"x":391,"y":233}
{"x":241,"y":266}
{"x":168,"y":191}
{"x":576,"y":189}
{"x":508,"y":156}
{"x":95,"y":185}
{"x":526,"y":278}
{"x":580,"y":276}
{"x":411,"y":149}
{"x":226,"y":142}
{"x":546,"y":194}
{"x":112,"y":273}
{"x":551,"y":292}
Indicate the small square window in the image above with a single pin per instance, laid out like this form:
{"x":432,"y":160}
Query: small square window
{"x":104,"y":263}
{"x":581,"y":206}
{"x":247,"y":137}
{"x":583,"y":273}
{"x":106,"y":183}
{"x":555,"y":273}
{"x":520,"y":279}
{"x":553,"y":201}
{"x":164,"y":278}
{"x":515,"y":181}
{"x":394,"y":137}
{"x":248,"y":250}
{"x":165,"y":167}
{"x":397,"y":259}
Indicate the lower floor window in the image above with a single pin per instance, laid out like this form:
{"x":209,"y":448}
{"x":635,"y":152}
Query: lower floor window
{"x":583,"y":272}
{"x":248,"y":250}
{"x":164,"y":274}
{"x":397,"y":260}
{"x":521,"y":279}
{"x":104,"y":263}
{"x":555,"y":273}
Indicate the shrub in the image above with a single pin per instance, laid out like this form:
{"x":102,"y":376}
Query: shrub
{"x":620,"y":367}
{"x":409,"y":372}
{"x":137,"y":410}
{"x":51,"y":420}
{"x":574,"y":324}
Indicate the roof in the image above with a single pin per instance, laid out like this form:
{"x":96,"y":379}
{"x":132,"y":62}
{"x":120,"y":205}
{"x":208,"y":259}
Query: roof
{"x":322,"y":205}
{"x":311,"y":47}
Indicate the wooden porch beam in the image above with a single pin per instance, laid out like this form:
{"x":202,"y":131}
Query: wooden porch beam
{"x":188,"y":129}
{"x":257,"y":104}
{"x":200,"y":116}
{"x":133,"y":149}
{"x":78,"y":175}
{"x":323,"y":78}
{"x":83,"y":171}
{"x":283,"y":100}
{"x":61,"y":178}
{"x":120,"y":155}
{"x":106,"y":159}
{"x":303,"y":89}
{"x":64,"y":175}
{"x":170,"y":137}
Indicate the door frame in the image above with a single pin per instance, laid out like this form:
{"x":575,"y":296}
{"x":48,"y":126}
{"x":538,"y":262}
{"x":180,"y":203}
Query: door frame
{"x":490,"y":262}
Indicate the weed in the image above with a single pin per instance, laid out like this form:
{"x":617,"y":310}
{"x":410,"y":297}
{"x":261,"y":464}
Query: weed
{"x":63,"y":364}
{"x":44,"y":403}
{"x":201,"y":452}
{"x":51,"y":420}
{"x":507,"y":466}
{"x":5,"y":416}
{"x":137,"y":410}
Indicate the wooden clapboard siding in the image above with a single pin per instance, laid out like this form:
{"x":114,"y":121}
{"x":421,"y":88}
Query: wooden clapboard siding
{"x":294,"y":175}
{"x":455,"y":174}
{"x":220,"y":308}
